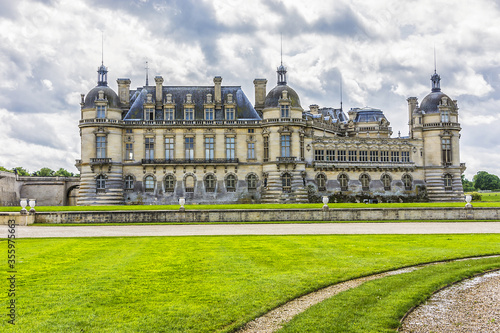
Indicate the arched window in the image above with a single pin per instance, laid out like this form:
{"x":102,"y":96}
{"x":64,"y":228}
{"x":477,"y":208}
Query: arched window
{"x":386,"y":180}
{"x":344,"y":181}
{"x":321,"y":181}
{"x":149,"y":183}
{"x":210,"y":183}
{"x":100,"y":183}
{"x":129,"y":182}
{"x":365,"y":182}
{"x":407,"y":181}
{"x":231,"y":183}
{"x":286,"y":181}
{"x":252,"y":182}
{"x":189,"y":183}
{"x":448,"y":179}
{"x":169,"y":183}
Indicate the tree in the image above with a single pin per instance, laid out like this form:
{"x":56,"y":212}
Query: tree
{"x":467,"y":185}
{"x":63,"y":173}
{"x":44,"y":172}
{"x":485,"y":181}
{"x":5,"y":169}
{"x":21,"y":171}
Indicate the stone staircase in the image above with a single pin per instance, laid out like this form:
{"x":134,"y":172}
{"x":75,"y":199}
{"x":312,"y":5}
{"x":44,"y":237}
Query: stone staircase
{"x":273,"y":193}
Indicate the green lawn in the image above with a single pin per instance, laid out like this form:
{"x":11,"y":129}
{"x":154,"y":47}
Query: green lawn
{"x":250,"y":206}
{"x":200,"y":284}
{"x":490,"y":197}
{"x":378,"y":306}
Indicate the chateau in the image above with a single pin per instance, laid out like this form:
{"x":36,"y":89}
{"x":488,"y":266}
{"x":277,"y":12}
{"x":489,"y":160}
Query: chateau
{"x":210,"y":144}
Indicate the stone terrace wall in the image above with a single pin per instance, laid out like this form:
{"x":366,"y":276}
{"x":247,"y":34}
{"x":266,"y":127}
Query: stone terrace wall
{"x":365,"y":214}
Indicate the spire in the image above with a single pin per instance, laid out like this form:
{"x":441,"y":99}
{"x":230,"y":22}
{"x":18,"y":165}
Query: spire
{"x":147,"y":73}
{"x":341,"y":93}
{"x":435,"y":78}
{"x":102,"y":71}
{"x":281,"y":69}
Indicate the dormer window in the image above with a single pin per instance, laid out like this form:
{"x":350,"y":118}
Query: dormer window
{"x":229,"y":113}
{"x":189,"y":98}
{"x":188,"y":113}
{"x":169,"y":114}
{"x":209,"y":98}
{"x":285,"y":111}
{"x":230,"y":98}
{"x":209,"y":114}
{"x":149,"y":114}
{"x":445,"y":117}
{"x":169,"y":98}
{"x":100,"y":111}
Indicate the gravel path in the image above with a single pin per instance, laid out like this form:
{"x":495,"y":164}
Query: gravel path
{"x":469,"y":306}
{"x":255,"y":229}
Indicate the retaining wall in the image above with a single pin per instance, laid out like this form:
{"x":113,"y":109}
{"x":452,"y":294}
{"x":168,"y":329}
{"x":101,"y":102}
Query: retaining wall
{"x":258,"y":215}
{"x":20,"y":219}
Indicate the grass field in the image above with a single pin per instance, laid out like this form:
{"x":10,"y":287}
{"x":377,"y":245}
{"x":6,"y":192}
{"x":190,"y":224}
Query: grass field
{"x":251,"y":206}
{"x":200,"y":284}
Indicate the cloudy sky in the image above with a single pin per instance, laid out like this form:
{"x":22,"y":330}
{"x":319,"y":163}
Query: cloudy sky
{"x":382,"y":50}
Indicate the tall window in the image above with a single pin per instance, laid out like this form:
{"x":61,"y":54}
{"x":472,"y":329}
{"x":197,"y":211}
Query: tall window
{"x":189,"y":148}
{"x":384,"y":156}
{"x":301,"y":144}
{"x":169,"y":114}
{"x":209,"y":114}
{"x":386,"y":181}
{"x":209,"y":148}
{"x":169,"y":148}
{"x":405,"y":156}
{"x":321,"y":181}
{"x":188,"y":114}
{"x":149,"y":114}
{"x":229,"y":113}
{"x":210,"y":183}
{"x":285,"y":145}
{"x":446,"y":151}
{"x":394,"y":156}
{"x":352,"y":156}
{"x":286,"y":182}
{"x":448,"y":182}
{"x":149,"y":183}
{"x":365,"y":182}
{"x":100,"y":111}
{"x":100,"y":146}
{"x":330,"y":155}
{"x":149,"y":147}
{"x":251,"y":150}
{"x":319,"y":155}
{"x":407,"y":181}
{"x":231,"y":183}
{"x":374,"y":156}
{"x":341,"y":155}
{"x":266,"y":148}
{"x":169,"y":183}
{"x":100,"y":183}
{"x":189,"y":184}
{"x":230,"y":148}
{"x":129,"y":182}
{"x":445,"y":117}
{"x":344,"y":181}
{"x":129,"y":151}
{"x":285,"y":111}
{"x":252,"y":182}
{"x":363,"y":156}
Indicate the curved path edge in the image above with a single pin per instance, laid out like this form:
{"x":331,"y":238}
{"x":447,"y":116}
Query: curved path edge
{"x":276,"y":318}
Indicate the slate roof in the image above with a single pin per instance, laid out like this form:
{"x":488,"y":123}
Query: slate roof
{"x":244,"y":109}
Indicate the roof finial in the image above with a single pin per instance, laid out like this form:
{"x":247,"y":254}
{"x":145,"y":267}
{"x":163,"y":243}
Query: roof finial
{"x":102,"y":71}
{"x":435,"y":67}
{"x":147,"y":73}
{"x":281,"y":69}
{"x":281,"y":42}
{"x":102,"y":47}
{"x":435,"y":78}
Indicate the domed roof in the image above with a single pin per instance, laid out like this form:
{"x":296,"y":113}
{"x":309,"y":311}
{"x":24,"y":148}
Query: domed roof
{"x":109,"y":94}
{"x":430,"y":102}
{"x":273,"y":97}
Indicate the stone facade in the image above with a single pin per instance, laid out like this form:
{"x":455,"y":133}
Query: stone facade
{"x":209,"y":144}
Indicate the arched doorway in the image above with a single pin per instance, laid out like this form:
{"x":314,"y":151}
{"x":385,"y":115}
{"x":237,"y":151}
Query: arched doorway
{"x":71,"y":195}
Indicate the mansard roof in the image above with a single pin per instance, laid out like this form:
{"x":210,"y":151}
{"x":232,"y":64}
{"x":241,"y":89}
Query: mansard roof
{"x":244,"y":109}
